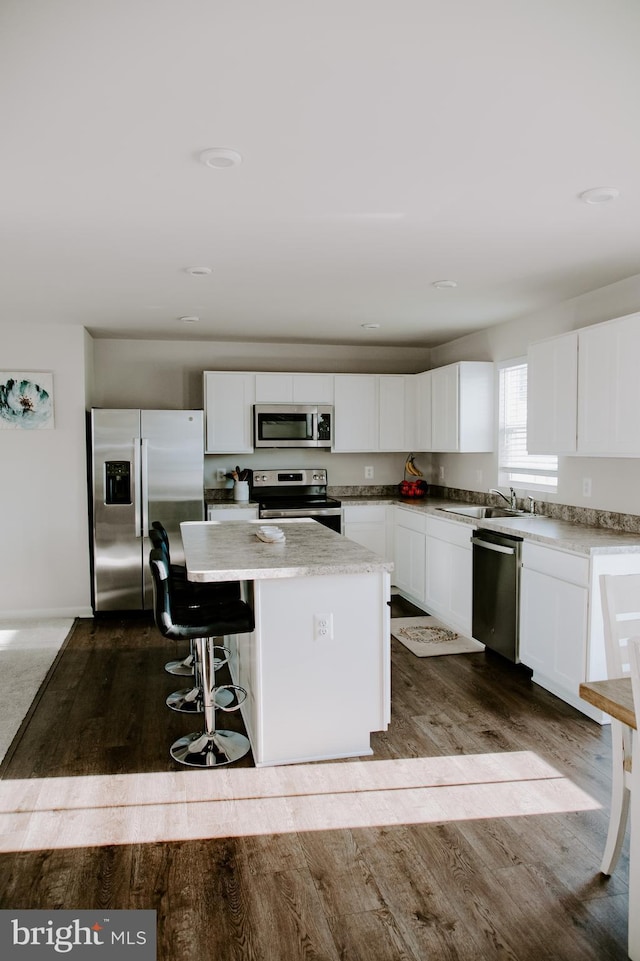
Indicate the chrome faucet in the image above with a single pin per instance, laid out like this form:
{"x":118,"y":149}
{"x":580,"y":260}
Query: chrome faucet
{"x":512,"y":501}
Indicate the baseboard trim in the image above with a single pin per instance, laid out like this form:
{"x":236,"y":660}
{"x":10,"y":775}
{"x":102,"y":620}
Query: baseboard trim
{"x":46,"y":612}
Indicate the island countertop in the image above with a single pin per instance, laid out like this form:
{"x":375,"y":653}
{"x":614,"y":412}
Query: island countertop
{"x":231,"y":551}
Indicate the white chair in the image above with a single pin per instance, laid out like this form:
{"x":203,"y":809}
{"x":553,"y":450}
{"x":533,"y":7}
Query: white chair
{"x":620,"y":595}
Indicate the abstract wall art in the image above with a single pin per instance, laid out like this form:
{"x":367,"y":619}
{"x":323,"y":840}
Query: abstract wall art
{"x":26,"y":400}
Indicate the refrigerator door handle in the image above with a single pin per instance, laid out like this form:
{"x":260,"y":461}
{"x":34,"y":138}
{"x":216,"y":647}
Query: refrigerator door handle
{"x":137,"y":518}
{"x":144,"y":473}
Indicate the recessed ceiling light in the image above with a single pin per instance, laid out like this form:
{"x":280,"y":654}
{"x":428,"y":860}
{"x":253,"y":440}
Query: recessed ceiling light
{"x":220,"y":157}
{"x":370,"y":326}
{"x":198,"y":271}
{"x":599,"y":195}
{"x":189,"y":320}
{"x":444,"y":284}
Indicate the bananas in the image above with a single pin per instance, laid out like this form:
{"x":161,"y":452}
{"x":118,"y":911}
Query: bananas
{"x":410,"y":467}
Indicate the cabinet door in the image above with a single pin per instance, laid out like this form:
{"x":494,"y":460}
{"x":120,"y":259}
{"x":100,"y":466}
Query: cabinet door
{"x":274,"y":388}
{"x":392,"y":393}
{"x":313,"y":388}
{"x":444,"y":408}
{"x":356,"y":412}
{"x":367,"y":525}
{"x":609,"y":388}
{"x":552,"y":395}
{"x":369,"y":535}
{"x":228,"y":399}
{"x":410,"y":562}
{"x":423,"y":434}
{"x":449,"y":583}
{"x":553,"y":629}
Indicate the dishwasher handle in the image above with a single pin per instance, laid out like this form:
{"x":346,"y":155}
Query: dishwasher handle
{"x":490,"y":546}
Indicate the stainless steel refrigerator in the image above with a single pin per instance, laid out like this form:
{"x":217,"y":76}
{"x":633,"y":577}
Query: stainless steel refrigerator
{"x":145,"y":465}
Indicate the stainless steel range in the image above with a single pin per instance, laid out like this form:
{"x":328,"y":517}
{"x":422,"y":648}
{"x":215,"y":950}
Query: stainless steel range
{"x":296,"y":493}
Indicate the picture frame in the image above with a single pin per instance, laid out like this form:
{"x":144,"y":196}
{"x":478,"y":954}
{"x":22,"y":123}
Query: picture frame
{"x":26,"y":400}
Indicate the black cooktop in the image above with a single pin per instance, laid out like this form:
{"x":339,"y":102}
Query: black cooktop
{"x":297,"y":501}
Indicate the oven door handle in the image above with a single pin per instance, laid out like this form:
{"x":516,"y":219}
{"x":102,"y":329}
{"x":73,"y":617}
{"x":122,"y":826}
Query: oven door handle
{"x":490,"y":546}
{"x":302,"y":512}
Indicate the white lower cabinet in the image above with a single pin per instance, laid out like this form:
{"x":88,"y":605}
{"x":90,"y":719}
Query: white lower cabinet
{"x":554,"y":608}
{"x":561,"y":630}
{"x":448,"y":591}
{"x":367,"y":525}
{"x":410,"y":554}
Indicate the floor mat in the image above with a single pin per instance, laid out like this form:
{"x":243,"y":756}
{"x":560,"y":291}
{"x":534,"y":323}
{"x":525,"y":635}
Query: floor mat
{"x":427,"y":637}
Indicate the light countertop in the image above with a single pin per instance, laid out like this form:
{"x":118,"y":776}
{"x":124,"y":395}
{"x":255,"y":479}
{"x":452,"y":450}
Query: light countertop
{"x":230,"y":550}
{"x":561,"y":534}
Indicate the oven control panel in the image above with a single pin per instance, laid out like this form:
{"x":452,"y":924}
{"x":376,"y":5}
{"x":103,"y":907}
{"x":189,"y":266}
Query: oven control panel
{"x":289,"y":478}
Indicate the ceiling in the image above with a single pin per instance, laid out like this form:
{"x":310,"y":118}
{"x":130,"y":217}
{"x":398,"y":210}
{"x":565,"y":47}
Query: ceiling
{"x":385,"y":144}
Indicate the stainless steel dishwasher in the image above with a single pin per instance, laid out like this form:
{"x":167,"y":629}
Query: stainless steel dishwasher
{"x":497,"y":559}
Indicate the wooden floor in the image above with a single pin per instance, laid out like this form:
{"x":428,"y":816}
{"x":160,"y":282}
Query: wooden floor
{"x":343,"y":869}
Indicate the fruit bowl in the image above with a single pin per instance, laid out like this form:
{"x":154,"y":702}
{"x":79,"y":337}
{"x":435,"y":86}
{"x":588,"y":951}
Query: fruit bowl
{"x":413,"y":488}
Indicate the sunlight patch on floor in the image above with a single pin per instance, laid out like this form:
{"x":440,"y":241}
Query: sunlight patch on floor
{"x":70,"y":812}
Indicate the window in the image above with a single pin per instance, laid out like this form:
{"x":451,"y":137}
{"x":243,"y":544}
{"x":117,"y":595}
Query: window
{"x":516,"y":467}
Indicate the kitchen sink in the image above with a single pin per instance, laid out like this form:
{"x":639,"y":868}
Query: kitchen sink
{"x":481,"y":512}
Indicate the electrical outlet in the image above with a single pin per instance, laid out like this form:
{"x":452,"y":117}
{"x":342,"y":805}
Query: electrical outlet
{"x":220,"y":474}
{"x":441,"y":472}
{"x":586,"y":487}
{"x":368,"y":473}
{"x":479,"y":477}
{"x":323,"y":627}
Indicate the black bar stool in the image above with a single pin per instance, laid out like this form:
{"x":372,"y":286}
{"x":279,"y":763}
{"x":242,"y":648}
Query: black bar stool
{"x":210,"y":747}
{"x":188,"y":594}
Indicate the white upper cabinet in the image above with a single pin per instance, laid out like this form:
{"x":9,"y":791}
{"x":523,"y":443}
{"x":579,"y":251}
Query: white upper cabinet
{"x":462,"y":407}
{"x":228,"y":404}
{"x":584,"y":391}
{"x":374,"y":412}
{"x":609,"y":388}
{"x":355,"y":412}
{"x":552,"y":395}
{"x":275,"y":388}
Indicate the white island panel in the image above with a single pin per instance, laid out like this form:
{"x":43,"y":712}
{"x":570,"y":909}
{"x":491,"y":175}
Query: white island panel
{"x":320,"y":697}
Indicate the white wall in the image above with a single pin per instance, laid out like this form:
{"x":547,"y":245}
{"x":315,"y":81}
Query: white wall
{"x":167,"y":373}
{"x":43,"y":492}
{"x":615,"y":482}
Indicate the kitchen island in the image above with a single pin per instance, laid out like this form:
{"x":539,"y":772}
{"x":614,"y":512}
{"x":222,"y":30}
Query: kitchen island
{"x":317,"y":665}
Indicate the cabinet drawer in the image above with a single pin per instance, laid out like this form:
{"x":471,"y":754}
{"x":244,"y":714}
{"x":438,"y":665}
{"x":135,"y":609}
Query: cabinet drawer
{"x":450,"y":531}
{"x":365,"y":514}
{"x":411,"y":519}
{"x":567,"y":567}
{"x":231,"y":513}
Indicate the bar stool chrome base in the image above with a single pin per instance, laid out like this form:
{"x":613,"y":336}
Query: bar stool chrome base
{"x":183,"y":668}
{"x":210,"y":750}
{"x":189,"y":700}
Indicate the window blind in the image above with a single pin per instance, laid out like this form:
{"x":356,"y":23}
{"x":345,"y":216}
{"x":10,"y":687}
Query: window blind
{"x":516,"y":466}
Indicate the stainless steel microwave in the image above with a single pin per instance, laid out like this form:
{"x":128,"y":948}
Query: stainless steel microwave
{"x":292,"y":425}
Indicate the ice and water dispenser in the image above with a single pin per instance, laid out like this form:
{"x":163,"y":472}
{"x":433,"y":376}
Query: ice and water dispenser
{"x":117,"y":482}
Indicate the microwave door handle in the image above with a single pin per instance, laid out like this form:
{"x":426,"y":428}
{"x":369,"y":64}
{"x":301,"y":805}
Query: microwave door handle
{"x":315,"y":425}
